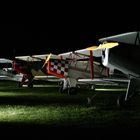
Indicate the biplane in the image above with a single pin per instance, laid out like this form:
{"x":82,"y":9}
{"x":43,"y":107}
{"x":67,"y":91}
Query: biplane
{"x":116,"y":53}
{"x":6,"y":71}
{"x":124,"y":56}
{"x":31,"y":67}
{"x":81,"y":66}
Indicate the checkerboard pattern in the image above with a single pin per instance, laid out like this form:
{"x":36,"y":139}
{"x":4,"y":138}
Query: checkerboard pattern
{"x":59,"y":67}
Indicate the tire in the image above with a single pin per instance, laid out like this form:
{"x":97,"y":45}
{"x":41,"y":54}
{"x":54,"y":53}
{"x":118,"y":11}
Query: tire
{"x":19,"y":84}
{"x":72,"y":91}
{"x":61,"y":89}
{"x":121,"y":103}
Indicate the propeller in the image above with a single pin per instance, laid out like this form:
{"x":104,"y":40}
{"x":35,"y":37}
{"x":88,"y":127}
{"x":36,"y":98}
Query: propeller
{"x":104,"y":46}
{"x":47,"y":59}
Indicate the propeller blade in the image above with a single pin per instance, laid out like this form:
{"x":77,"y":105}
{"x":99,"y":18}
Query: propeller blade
{"x":47,"y":60}
{"x":92,"y":48}
{"x":108,"y":45}
{"x":104,"y":46}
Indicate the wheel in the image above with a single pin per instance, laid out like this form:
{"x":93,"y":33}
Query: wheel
{"x":72,"y":91}
{"x":121,"y":102}
{"x":61,"y":89}
{"x":19,"y":84}
{"x":30,"y":85}
{"x":92,"y":87}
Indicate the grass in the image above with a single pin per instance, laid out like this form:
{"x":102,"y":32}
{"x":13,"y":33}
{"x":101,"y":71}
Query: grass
{"x":45,"y":107}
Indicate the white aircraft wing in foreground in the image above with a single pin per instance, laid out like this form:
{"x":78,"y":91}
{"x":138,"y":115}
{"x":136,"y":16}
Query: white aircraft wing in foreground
{"x":125,"y":58}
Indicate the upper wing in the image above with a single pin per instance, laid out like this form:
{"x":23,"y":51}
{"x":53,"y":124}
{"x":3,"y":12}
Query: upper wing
{"x":41,"y":57}
{"x":103,"y":46}
{"x":5,"y":63}
{"x":32,"y":58}
{"x":4,"y":60}
{"x":26,"y":58}
{"x":130,"y":38}
{"x":96,"y":51}
{"x":83,"y":53}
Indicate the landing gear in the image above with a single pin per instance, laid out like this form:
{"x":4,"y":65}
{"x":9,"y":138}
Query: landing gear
{"x":124,"y":100}
{"x":19,"y":84}
{"x":61,"y":90}
{"x":72,"y":91}
{"x":28,"y":80}
{"x":121,"y":101}
{"x":68,"y":85}
{"x":92,"y":87}
{"x":30,"y":85}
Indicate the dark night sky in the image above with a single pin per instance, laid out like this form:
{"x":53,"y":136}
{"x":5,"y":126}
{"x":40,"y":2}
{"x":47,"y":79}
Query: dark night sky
{"x":61,"y":27}
{"x":30,"y":38}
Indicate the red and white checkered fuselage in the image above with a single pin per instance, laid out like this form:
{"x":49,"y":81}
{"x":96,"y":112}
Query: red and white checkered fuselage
{"x":58,"y":67}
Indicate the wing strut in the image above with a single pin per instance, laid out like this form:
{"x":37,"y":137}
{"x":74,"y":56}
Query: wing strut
{"x":137,"y":39}
{"x":91,"y":64}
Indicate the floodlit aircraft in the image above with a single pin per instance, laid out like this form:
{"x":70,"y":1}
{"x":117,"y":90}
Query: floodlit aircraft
{"x":123,"y":57}
{"x":79,"y":67}
{"x":31,"y":69}
{"x":6,"y":71}
{"x":117,"y":53}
